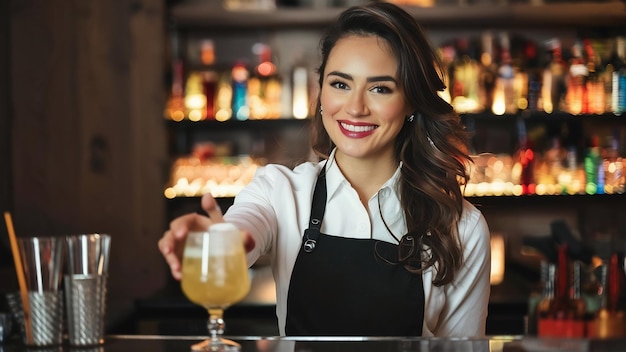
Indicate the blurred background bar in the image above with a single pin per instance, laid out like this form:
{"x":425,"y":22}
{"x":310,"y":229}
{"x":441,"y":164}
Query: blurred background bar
{"x":116,"y":116}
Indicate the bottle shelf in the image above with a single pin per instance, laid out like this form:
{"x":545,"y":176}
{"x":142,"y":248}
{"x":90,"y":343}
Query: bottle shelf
{"x":544,"y":116}
{"x":260,"y":125}
{"x":290,"y":121}
{"x":523,"y":202}
{"x":526,"y":199}
{"x":532,"y":200}
{"x":210,"y":14}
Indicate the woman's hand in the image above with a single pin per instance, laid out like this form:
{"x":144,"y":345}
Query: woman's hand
{"x":172,"y":243}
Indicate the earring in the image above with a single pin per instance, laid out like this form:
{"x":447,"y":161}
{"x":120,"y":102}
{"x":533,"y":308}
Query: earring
{"x":321,"y":110}
{"x":410,"y":118}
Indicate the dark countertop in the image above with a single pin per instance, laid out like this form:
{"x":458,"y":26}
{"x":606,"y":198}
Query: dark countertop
{"x":153,"y":343}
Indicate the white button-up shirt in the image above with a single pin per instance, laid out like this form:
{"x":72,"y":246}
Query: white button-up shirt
{"x":275,"y":209}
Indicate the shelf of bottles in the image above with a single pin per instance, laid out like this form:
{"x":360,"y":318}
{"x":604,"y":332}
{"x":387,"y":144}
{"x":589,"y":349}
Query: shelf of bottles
{"x":237,"y":92}
{"x":587,"y":80}
{"x":497,"y":75}
{"x":579,"y":298}
{"x":580,"y":293}
{"x":223,"y":177}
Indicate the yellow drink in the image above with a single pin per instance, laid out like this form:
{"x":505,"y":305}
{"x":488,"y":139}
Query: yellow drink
{"x":215,"y":275}
{"x":216,"y":281}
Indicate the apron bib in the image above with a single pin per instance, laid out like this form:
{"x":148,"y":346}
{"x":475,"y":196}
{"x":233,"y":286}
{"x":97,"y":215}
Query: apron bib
{"x":339,"y":287}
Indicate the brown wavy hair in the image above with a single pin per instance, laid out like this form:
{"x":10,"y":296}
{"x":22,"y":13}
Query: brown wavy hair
{"x":432,"y":148}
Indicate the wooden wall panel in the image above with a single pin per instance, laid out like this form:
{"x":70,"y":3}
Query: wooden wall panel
{"x":89,"y":140}
{"x":45,"y":126}
{"x":7,"y":275}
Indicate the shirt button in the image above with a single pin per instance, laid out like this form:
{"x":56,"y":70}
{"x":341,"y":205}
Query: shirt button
{"x":384,"y":192}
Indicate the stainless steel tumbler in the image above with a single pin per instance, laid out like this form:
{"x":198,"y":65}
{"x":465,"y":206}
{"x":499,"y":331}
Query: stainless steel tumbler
{"x":42,"y":261}
{"x":86,"y":287}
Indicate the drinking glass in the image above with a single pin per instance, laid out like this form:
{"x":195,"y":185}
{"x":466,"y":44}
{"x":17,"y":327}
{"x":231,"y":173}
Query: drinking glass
{"x":215,"y":276}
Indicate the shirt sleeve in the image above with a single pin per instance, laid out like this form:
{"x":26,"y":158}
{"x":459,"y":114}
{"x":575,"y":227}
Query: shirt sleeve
{"x":464,"y":313}
{"x":253,"y":213}
{"x":276,"y":192}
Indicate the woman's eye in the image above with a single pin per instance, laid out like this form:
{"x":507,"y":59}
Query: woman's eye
{"x":381,"y":90}
{"x":338,"y":85}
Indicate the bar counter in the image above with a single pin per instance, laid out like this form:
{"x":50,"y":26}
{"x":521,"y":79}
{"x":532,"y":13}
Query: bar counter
{"x":162,"y":343}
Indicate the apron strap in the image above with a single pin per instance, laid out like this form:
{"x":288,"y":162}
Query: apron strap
{"x":318,"y":207}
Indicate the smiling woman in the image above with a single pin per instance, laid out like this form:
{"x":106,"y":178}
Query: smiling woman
{"x":375,"y":239}
{"x":363,"y":106}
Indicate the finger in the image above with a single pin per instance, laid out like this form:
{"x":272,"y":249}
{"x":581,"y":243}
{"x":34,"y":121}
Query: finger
{"x":209,"y":204}
{"x":174,"y":263}
{"x":180,"y":226}
{"x":175,"y":267}
{"x":248,"y":242}
{"x":164,"y":245}
{"x":167,"y":247}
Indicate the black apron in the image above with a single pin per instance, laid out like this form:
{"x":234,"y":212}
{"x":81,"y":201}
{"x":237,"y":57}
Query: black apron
{"x":339,"y":287}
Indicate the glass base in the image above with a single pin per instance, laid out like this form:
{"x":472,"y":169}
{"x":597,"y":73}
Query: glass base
{"x":218,"y":345}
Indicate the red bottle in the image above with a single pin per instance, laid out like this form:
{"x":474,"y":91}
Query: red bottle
{"x":563,"y":316}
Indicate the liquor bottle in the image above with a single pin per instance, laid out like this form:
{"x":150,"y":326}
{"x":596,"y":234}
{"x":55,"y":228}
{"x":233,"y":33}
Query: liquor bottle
{"x":209,"y":84}
{"x":300,"y":95}
{"x":619,"y":77}
{"x":525,"y":159}
{"x":574,"y":177}
{"x":239,"y":76}
{"x":175,"y":105}
{"x":578,"y":302}
{"x":224,"y":97}
{"x":209,"y":77}
{"x":264,"y":87}
{"x":553,"y":87}
{"x":532,"y":70}
{"x":505,"y":97}
{"x":604,"y":50}
{"x":610,"y":320}
{"x":563,"y":317}
{"x":465,"y":73}
{"x":542,"y":302}
{"x":592,"y":162}
{"x":207,"y":52}
{"x":554,"y":159}
{"x":488,"y":72}
{"x":595,"y":99}
{"x":195,"y":100}
{"x":613,"y":165}
{"x":576,"y":91}
{"x":541,"y":324}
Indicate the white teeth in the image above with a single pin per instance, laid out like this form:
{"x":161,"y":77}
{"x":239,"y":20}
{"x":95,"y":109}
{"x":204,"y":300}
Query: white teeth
{"x":353,"y":128}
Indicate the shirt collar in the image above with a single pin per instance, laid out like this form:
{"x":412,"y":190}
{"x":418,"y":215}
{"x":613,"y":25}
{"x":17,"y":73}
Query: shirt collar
{"x":335,"y":179}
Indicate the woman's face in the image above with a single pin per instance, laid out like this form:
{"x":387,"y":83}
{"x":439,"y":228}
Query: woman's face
{"x":364,"y":107}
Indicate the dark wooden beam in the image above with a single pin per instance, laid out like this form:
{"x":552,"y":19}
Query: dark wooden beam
{"x":5,"y":128}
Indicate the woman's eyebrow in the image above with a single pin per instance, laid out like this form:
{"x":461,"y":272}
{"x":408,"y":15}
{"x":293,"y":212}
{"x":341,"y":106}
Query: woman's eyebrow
{"x":381,"y":79}
{"x":340,"y":74}
{"x":369,"y":79}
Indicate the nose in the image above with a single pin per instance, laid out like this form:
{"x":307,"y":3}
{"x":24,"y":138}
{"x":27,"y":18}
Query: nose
{"x":356,"y":104}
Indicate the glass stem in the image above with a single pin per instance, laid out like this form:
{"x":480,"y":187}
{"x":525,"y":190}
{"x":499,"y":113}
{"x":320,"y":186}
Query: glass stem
{"x":216,"y":324}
